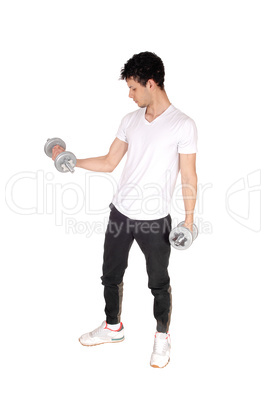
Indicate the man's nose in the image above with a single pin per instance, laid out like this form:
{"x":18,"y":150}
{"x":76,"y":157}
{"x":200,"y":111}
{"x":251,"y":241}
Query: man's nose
{"x":130,"y":94}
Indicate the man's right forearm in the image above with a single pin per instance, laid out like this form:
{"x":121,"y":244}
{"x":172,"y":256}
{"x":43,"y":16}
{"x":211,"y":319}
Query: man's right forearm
{"x":98,"y":164}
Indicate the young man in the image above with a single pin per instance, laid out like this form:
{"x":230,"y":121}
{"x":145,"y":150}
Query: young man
{"x":159,"y":141}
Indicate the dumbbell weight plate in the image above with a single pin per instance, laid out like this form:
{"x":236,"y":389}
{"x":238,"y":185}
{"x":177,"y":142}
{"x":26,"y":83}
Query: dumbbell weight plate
{"x":52,"y":142}
{"x":194,"y":232}
{"x":62,"y":158}
{"x":187,"y":234}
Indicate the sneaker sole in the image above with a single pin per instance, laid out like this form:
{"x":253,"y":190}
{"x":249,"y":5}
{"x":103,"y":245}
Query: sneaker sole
{"x":154,"y":365}
{"x":101,"y":343}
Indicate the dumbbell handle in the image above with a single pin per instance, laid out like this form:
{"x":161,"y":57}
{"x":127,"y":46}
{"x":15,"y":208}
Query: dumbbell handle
{"x":179,"y":239}
{"x":69,"y":167}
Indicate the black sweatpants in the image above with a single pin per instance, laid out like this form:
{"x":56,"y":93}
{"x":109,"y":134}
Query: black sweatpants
{"x":152,"y":237}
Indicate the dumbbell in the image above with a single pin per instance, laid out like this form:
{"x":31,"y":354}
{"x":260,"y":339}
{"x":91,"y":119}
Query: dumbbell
{"x":65,"y":161}
{"x":181,"y":237}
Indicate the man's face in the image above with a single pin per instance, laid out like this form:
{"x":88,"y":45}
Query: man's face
{"x":138,"y":93}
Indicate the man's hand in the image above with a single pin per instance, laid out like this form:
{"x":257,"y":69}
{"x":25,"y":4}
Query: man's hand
{"x":56,"y":151}
{"x":188,"y":225}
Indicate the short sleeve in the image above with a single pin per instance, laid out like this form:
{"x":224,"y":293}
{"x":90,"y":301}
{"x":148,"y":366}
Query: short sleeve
{"x":189,"y":138}
{"x":121,"y":133}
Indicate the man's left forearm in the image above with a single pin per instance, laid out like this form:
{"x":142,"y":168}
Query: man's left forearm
{"x":189,"y":191}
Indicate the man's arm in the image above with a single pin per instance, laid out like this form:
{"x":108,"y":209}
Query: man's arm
{"x":105,"y":163}
{"x":189,"y":186}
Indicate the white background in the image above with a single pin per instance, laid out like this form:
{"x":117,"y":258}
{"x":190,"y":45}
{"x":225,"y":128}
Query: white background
{"x":60,"y":64}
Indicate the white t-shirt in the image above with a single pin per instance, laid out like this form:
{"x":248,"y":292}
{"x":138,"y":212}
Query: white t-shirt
{"x":149,"y":176}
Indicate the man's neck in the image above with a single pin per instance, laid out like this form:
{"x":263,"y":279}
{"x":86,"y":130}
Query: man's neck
{"x":157,"y":106}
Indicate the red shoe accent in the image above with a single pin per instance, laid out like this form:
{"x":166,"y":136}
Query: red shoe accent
{"x":114,"y":330}
{"x":166,"y":334}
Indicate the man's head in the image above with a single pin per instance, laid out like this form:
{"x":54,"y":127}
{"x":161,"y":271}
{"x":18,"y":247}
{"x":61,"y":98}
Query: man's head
{"x":144,"y":74}
{"x":143,"y":67}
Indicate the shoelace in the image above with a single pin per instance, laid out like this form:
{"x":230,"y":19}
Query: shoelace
{"x":97,"y":330}
{"x":160,"y":346}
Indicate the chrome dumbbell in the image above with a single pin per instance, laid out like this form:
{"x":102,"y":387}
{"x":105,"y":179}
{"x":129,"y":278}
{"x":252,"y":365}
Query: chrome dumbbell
{"x":65,"y":161}
{"x":181,"y":237}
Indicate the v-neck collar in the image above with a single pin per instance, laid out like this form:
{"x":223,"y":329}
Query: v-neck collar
{"x":156,"y":118}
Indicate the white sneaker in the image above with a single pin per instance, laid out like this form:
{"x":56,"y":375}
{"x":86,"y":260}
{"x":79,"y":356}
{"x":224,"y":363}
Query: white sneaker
{"x":102,"y":335}
{"x":161,"y":350}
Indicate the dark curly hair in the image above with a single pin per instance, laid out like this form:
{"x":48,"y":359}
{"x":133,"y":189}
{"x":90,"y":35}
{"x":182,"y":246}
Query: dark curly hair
{"x":144,"y":66}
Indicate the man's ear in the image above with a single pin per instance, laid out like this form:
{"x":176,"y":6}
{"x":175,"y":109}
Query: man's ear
{"x":151,"y":84}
